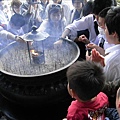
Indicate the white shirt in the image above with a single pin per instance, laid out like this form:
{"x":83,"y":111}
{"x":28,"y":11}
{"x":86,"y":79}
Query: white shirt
{"x":84,"y":23}
{"x":112,"y":63}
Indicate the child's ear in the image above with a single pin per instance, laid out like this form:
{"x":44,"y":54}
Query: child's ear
{"x":72,"y":93}
{"x":115,"y":35}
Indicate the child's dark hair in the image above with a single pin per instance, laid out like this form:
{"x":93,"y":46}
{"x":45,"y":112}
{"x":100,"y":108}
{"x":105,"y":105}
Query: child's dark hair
{"x":99,"y":5}
{"x":86,"y":78}
{"x":17,"y":20}
{"x":112,"y":20}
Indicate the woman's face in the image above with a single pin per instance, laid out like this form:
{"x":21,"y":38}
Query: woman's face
{"x":55,"y":17}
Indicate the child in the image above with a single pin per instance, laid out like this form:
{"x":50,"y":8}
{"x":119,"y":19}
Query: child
{"x":85,"y":81}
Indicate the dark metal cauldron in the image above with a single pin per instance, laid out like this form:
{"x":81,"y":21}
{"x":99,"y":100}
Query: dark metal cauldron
{"x":43,"y":83}
{"x":26,"y":89}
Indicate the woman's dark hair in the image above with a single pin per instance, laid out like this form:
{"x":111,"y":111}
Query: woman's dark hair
{"x":99,"y":5}
{"x":86,"y":78}
{"x":112,"y":20}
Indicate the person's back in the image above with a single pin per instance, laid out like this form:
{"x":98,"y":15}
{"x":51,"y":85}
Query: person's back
{"x":85,"y":82}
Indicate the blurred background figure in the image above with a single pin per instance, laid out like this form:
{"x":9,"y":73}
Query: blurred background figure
{"x":31,"y":11}
{"x":43,"y":3}
{"x":16,"y":6}
{"x":76,"y":12}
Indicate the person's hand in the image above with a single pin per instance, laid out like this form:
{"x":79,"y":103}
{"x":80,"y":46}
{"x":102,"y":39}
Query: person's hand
{"x":97,"y":57}
{"x":83,"y":39}
{"x":58,"y":44}
{"x":98,"y":48}
{"x":91,"y":46}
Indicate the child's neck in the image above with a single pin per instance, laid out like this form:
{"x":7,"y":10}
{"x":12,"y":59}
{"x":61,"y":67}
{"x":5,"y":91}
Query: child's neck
{"x":93,"y":99}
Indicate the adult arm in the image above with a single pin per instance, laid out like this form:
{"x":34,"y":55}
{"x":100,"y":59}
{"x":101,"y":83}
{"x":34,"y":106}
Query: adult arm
{"x":66,"y":33}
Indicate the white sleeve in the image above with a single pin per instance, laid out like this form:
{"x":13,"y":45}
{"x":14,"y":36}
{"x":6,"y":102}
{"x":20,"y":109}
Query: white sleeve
{"x":3,"y":34}
{"x":84,"y":23}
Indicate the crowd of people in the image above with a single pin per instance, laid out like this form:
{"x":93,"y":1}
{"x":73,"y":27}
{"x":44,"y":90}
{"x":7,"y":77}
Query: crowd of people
{"x":94,"y":79}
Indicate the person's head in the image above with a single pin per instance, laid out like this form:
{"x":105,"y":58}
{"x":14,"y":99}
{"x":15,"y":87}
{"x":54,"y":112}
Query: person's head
{"x":78,"y":4}
{"x":101,"y":17}
{"x":55,"y":13}
{"x":118,"y":101}
{"x":112,"y":25}
{"x":15,"y":5}
{"x":85,"y":80}
{"x":17,"y":21}
{"x":99,"y":5}
{"x":88,"y":8}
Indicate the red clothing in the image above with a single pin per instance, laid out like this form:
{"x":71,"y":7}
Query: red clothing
{"x":81,"y":110}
